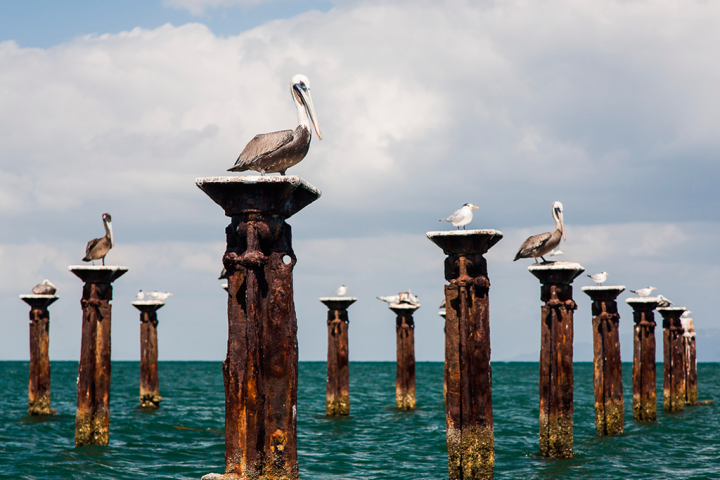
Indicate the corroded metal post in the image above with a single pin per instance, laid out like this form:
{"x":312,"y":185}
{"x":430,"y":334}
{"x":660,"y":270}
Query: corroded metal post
{"x":691,"y":391}
{"x":607,"y":368}
{"x":644,"y":396}
{"x":39,"y":385}
{"x":337,"y":401}
{"x":92,"y":418}
{"x":261,"y":368}
{"x":469,"y":415}
{"x":405,"y":366}
{"x":442,"y":313}
{"x":673,"y":359}
{"x":149,"y":381}
{"x":556,"y":357}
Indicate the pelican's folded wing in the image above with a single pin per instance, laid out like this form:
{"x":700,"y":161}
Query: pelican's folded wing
{"x":263,"y":144}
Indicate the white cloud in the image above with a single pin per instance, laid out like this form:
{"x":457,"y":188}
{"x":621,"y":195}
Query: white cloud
{"x":197,"y":7}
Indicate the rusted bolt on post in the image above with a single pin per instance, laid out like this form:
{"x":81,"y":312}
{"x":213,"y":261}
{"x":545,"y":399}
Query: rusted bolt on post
{"x":337,"y":401}
{"x":39,"y":385}
{"x":469,"y":415}
{"x":149,"y":382}
{"x":644,"y":396}
{"x":691,"y":391}
{"x":673,"y":359}
{"x":556,"y":356}
{"x":261,"y":367}
{"x":405,"y":366}
{"x":442,"y":313}
{"x":607,"y":368}
{"x":92,"y":418}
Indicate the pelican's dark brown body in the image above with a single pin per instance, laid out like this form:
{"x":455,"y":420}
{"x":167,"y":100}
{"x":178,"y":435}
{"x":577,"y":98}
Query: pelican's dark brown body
{"x":274,"y":152}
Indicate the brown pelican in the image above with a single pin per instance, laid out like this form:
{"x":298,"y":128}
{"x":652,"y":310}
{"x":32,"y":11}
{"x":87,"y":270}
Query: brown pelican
{"x":539,"y":245}
{"x":99,"y":247}
{"x":278,"y":151}
{"x":644,"y":292}
{"x":44,"y":288}
{"x":461,"y":216}
{"x":599,"y":278}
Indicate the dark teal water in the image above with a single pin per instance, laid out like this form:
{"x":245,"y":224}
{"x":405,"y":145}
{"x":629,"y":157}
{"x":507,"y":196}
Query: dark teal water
{"x":184,"y":439}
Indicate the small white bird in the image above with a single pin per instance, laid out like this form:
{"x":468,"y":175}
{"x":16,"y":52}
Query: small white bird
{"x":686,"y":313}
{"x":402,"y":297}
{"x":161,"y":296}
{"x":44,"y":288}
{"x":555,"y":253}
{"x":461,"y":217}
{"x":664,"y":302}
{"x":341,"y":291}
{"x":140,"y":295}
{"x":599,"y":278}
{"x":644,"y":292}
{"x":389,"y":298}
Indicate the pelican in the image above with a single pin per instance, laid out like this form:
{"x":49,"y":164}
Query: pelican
{"x":44,"y":288}
{"x":161,"y":296}
{"x":539,"y":245}
{"x":341,"y":291}
{"x":140,"y":295}
{"x":664,"y":302}
{"x":644,"y":292}
{"x":461,"y":216}
{"x":97,"y":248}
{"x":599,"y":278}
{"x":278,"y":151}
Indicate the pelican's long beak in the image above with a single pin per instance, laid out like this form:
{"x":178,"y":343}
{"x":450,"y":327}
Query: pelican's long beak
{"x":307,"y":100}
{"x":562,"y":226}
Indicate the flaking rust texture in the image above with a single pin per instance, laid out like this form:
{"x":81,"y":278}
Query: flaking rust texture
{"x":39,"y":383}
{"x":92,"y":418}
{"x":338,"y":367}
{"x":405,"y":366}
{"x":691,"y":390}
{"x":260,"y":371}
{"x":470,"y":435}
{"x":674,"y":360}
{"x":149,"y":380}
{"x":607,"y":367}
{"x":644,"y":367}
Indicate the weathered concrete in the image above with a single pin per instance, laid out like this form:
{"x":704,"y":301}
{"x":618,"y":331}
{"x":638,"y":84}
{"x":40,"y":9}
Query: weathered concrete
{"x":556,"y":357}
{"x":405,"y":365}
{"x":673,"y":359}
{"x":607,"y":367}
{"x":149,"y":381}
{"x":261,"y":368}
{"x":644,"y":367}
{"x":337,"y":402}
{"x":39,"y":385}
{"x":469,"y":415}
{"x":92,"y":418}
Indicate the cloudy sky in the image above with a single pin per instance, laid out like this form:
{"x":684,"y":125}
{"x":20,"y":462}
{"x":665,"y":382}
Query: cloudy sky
{"x":608,"y":106}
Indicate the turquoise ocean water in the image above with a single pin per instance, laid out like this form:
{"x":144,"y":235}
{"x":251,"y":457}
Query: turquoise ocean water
{"x":184,"y":438}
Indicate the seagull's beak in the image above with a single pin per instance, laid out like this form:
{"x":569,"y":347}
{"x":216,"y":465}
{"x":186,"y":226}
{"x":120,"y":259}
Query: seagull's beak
{"x":307,"y":101}
{"x":474,"y":207}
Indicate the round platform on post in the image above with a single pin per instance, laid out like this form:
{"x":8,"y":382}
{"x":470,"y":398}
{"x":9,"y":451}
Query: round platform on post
{"x":558,"y":273}
{"x":465,"y":242}
{"x":643,"y":303}
{"x":148,"y":306}
{"x":98,"y":273}
{"x":338,"y":303}
{"x":600,"y":293}
{"x":39,"y":301}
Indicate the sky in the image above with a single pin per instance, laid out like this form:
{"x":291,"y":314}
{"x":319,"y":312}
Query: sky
{"x":607,"y":106}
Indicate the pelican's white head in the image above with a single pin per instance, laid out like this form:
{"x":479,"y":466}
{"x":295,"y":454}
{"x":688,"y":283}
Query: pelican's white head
{"x":557,"y":211}
{"x":300,"y":88}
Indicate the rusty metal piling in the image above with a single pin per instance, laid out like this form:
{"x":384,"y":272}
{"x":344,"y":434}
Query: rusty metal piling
{"x":39,"y":384}
{"x":149,"y":382}
{"x":92,"y":418}
{"x":405,"y":366}
{"x":261,"y":368}
{"x":644,"y":367}
{"x":337,"y":400}
{"x":469,"y":415}
{"x":691,"y":391}
{"x":607,"y":367}
{"x":556,"y":356}
{"x":442,"y":313}
{"x":673,"y":359}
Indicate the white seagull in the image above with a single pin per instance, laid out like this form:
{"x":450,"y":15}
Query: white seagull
{"x":644,"y":292}
{"x":341,"y":291}
{"x":599,"y":278}
{"x":462,"y":216}
{"x":664,"y":302}
{"x":161,"y":296}
{"x":686,"y":313}
{"x":140,"y":295}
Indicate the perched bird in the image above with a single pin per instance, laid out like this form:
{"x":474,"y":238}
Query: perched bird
{"x":161,"y":296}
{"x":224,"y":274}
{"x":555,"y":253}
{"x":686,"y":313}
{"x":140,"y":295}
{"x":599,"y":278}
{"x":664,"y":302}
{"x":462,"y":216}
{"x":99,"y":247}
{"x":44,"y":288}
{"x":402,"y":297}
{"x":341,"y":291}
{"x":278,"y":151}
{"x":644,"y":292}
{"x":389,"y":298}
{"x":539,"y":245}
